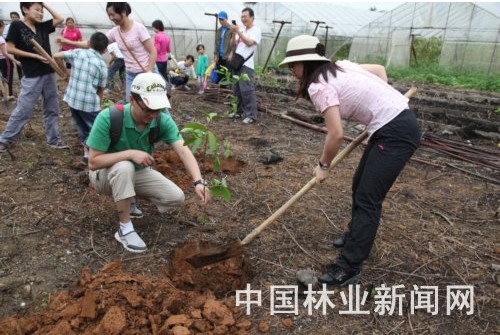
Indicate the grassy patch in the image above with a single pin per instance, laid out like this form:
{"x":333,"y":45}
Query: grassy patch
{"x":433,"y":74}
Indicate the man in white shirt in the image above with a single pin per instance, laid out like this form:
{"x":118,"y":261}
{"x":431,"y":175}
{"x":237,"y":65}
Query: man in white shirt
{"x":246,"y":42}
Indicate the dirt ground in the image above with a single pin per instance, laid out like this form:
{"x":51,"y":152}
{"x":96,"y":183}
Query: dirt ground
{"x":62,"y":272}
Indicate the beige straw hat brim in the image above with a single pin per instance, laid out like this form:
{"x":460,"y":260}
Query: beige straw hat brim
{"x":302,"y":58}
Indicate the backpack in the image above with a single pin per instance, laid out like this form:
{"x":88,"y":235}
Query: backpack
{"x":116,"y":120}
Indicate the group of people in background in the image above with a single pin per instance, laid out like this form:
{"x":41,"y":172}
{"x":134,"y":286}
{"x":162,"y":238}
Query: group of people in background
{"x":120,"y":158}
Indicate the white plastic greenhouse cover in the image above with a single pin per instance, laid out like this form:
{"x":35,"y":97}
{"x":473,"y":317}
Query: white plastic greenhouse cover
{"x":345,"y":22}
{"x":470,"y":33}
{"x":186,"y":23}
{"x":175,"y":15}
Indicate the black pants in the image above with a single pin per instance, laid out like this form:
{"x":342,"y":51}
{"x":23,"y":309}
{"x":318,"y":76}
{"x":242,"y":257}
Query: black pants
{"x":385,"y":156}
{"x":7,"y":70}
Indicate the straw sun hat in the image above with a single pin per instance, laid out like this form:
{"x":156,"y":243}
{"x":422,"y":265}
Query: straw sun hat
{"x":304,"y":48}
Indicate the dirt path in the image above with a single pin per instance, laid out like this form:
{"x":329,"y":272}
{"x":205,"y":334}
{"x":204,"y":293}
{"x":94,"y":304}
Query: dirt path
{"x":61,"y":272}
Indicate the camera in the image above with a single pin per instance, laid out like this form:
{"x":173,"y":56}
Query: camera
{"x":233,"y":22}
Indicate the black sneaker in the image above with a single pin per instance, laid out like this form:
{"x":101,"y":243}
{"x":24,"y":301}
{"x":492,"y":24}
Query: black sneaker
{"x":3,"y":147}
{"x":338,"y":276}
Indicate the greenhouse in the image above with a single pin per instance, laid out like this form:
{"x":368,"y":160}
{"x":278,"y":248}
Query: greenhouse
{"x":191,"y":23}
{"x":465,"y":35}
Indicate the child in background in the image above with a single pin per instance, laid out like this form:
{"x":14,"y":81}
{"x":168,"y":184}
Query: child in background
{"x":201,"y":67}
{"x":116,"y":63}
{"x":184,"y":71}
{"x":86,"y":84}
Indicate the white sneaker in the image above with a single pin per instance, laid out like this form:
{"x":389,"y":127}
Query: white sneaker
{"x":58,"y":145}
{"x":187,"y":88}
{"x":248,"y":120}
{"x":131,"y":241}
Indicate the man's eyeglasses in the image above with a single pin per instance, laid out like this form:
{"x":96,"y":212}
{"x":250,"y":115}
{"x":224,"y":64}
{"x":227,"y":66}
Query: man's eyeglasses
{"x":146,"y":109}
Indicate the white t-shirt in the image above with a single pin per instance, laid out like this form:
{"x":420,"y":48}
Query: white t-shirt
{"x":6,"y":31}
{"x":187,"y":70}
{"x":255,"y":34}
{"x":113,"y":47}
{"x":360,"y":95}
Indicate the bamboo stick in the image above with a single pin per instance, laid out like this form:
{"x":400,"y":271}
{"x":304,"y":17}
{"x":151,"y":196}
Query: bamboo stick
{"x":41,"y":51}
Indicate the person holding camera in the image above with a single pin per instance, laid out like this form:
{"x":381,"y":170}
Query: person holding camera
{"x":242,"y":62}
{"x":223,"y":41}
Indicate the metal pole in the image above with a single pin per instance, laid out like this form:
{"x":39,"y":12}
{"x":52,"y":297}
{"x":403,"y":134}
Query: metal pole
{"x":274,"y":43}
{"x":215,"y":37}
{"x":317,"y":24}
{"x":326,"y":37}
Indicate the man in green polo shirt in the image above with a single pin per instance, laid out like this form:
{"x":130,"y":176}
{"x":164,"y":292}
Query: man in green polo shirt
{"x":124,"y":170}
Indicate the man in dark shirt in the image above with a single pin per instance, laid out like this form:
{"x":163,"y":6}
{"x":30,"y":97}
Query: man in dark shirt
{"x":224,"y":36}
{"x":39,"y":78}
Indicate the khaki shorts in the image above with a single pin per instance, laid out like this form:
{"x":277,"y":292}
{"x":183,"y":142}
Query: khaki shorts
{"x":121,"y":181}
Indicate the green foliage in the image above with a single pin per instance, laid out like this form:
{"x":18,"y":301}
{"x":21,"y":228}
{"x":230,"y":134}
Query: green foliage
{"x":424,"y":68}
{"x":199,"y":137}
{"x":107,"y":103}
{"x":202,"y":219}
{"x":268,"y":79}
{"x":229,"y":79}
{"x":426,"y":51}
{"x":219,"y":189}
{"x":434,"y":74}
{"x":343,"y":52}
{"x":227,"y":149}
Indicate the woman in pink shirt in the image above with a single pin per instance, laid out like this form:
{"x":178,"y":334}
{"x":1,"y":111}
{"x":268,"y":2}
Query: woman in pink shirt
{"x":134,"y":42}
{"x":162,"y":45}
{"x":71,"y":33}
{"x":343,"y":89}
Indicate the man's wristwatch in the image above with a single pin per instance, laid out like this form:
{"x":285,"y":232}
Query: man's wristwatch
{"x":323,"y":166}
{"x":201,"y":181}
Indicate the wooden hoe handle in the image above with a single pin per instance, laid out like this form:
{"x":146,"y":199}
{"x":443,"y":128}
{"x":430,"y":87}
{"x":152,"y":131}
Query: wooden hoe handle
{"x":41,"y":51}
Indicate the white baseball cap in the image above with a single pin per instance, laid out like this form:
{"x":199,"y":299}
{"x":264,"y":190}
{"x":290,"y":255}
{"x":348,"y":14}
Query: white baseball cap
{"x":152,"y":89}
